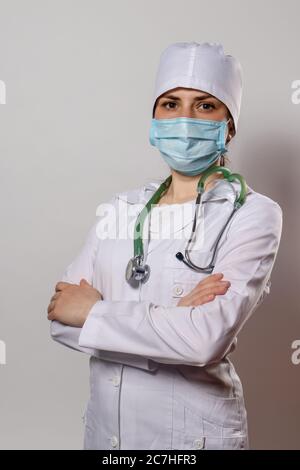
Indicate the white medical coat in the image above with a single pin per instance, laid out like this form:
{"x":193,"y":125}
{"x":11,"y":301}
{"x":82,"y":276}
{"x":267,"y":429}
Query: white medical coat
{"x":160,"y":375}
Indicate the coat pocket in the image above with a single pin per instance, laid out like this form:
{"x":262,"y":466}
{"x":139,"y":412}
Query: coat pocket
{"x":194,"y":431}
{"x":181,"y":278}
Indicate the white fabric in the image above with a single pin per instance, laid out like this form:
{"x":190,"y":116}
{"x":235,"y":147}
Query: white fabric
{"x":160,"y":374}
{"x":204,"y":67}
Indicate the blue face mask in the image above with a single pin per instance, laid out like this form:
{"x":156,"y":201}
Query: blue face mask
{"x":189,"y":145}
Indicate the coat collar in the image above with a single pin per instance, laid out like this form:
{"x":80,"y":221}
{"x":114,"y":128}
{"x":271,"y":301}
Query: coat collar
{"x":221,"y":189}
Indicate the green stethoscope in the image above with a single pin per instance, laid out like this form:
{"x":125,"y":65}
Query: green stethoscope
{"x":136,"y":271}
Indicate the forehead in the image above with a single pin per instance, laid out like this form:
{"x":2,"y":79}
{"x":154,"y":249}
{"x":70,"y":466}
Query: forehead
{"x":182,"y":92}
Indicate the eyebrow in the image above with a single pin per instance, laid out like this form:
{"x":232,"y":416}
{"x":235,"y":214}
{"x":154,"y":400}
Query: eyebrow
{"x":197,"y":98}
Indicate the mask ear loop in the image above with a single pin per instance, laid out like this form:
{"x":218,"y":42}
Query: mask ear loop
{"x":223,"y":140}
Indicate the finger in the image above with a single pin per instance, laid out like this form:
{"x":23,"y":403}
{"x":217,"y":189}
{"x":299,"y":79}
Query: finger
{"x":51,"y":315}
{"x":55,"y":296}
{"x":204,"y":300}
{"x":203,"y":288}
{"x":211,"y":278}
{"x":184,"y":301}
{"x":212,"y":285}
{"x":62,"y":285}
{"x":216,"y":290}
{"x":50,"y":307}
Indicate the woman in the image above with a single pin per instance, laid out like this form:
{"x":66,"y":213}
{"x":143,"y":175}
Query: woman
{"x":160,"y":376}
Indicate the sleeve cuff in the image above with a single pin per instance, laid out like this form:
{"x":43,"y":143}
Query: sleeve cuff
{"x":91,"y":328}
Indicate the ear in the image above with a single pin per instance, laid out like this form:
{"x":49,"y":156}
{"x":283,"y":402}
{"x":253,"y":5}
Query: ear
{"x":231,"y":131}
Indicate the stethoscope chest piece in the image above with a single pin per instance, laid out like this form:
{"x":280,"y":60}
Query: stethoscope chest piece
{"x":137,"y":272}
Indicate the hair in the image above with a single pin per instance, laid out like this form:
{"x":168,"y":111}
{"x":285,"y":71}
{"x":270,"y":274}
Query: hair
{"x":226,"y":158}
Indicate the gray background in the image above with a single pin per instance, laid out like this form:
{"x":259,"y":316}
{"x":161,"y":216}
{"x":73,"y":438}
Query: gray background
{"x":74,"y":130}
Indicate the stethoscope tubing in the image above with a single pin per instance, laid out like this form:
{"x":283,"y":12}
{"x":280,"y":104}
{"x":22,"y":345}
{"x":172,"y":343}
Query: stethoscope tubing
{"x":136,"y":271}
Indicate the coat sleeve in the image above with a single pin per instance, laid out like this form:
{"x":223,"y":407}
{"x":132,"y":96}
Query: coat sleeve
{"x":197,"y":335}
{"x":82,"y":267}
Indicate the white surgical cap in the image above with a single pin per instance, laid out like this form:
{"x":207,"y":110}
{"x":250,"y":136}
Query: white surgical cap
{"x":203,"y":67}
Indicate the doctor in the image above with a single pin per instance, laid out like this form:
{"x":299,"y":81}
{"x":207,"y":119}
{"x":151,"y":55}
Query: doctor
{"x":160,"y":373}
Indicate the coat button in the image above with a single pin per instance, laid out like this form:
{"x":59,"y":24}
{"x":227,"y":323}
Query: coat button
{"x":114,"y":441}
{"x":177,"y":290}
{"x":116,"y":381}
{"x":199,"y":443}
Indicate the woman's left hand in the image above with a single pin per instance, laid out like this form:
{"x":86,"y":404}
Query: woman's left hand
{"x":71,"y":303}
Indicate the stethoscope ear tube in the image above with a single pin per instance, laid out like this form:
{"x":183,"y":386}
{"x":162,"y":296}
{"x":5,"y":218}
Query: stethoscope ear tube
{"x":180,"y":257}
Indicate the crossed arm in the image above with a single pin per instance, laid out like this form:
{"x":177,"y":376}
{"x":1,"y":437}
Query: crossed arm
{"x":193,"y":333}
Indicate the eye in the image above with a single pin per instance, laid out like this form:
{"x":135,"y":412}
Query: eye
{"x":169,"y":102}
{"x":206,"y":106}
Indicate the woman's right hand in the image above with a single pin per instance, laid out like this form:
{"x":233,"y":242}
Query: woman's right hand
{"x":205,"y":291}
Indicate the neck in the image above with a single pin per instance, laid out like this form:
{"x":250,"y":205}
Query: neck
{"x":184,"y":188}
